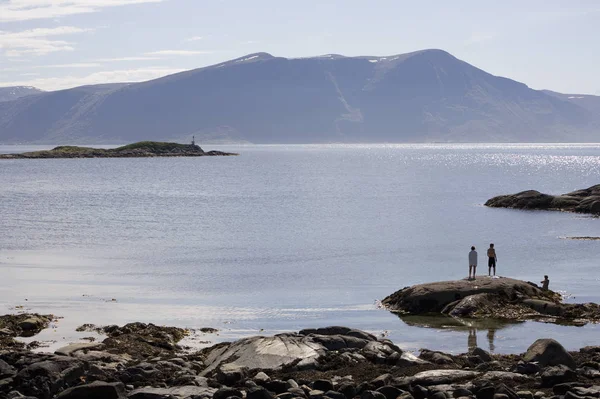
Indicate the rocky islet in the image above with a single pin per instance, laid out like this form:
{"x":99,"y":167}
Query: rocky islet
{"x":580,"y":201}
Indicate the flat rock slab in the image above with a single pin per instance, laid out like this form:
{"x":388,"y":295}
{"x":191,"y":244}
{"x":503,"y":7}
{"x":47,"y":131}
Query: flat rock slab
{"x":440,"y":377}
{"x":265,"y":353}
{"x":70,"y":349}
{"x":183,"y":392}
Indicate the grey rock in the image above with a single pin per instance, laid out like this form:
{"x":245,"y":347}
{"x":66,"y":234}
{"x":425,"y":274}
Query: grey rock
{"x":436,"y":377}
{"x":548,"y":352}
{"x":505,"y":375}
{"x":348,"y":389}
{"x":527,"y":368}
{"x":461,"y":392}
{"x":335,"y":395}
{"x":231,"y":374}
{"x":557,"y":375}
{"x":95,"y":390}
{"x":6,"y":370}
{"x":292,"y":383}
{"x":261,"y":378}
{"x":72,"y":348}
{"x":525,"y":394}
{"x":481,"y":354}
{"x":438,"y":395}
{"x":316,"y":394}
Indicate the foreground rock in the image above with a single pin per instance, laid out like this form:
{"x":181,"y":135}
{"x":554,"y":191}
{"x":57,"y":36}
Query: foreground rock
{"x":484,"y":297}
{"x":21,"y":325}
{"x":142,"y":149}
{"x":324,"y":363}
{"x":581,"y":201}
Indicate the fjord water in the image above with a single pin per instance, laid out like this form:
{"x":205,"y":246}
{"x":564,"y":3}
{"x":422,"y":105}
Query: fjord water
{"x":287,"y":237}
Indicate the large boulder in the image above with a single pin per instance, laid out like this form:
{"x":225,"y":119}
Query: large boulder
{"x":182,"y":392}
{"x":548,"y":352}
{"x":95,"y":390}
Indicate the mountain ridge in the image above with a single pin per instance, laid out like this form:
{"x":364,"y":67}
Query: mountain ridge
{"x":422,"y":96}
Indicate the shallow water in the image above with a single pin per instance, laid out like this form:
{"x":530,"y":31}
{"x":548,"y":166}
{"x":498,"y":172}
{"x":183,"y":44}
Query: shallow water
{"x":287,"y":237}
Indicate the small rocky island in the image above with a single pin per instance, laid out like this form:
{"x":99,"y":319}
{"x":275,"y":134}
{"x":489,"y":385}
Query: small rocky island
{"x":142,"y":149}
{"x":145,"y":361}
{"x":581,"y":201}
{"x":484,"y":297}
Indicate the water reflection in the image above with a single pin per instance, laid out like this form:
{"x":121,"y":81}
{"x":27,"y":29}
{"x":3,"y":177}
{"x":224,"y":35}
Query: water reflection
{"x":469,"y":326}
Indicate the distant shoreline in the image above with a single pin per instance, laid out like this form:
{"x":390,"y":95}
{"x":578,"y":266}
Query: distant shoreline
{"x":142,"y":149}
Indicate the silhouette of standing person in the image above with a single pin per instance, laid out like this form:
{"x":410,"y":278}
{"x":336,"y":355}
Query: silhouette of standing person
{"x":472,"y":262}
{"x":492,"y":259}
{"x":545,"y":282}
{"x":472,"y":339}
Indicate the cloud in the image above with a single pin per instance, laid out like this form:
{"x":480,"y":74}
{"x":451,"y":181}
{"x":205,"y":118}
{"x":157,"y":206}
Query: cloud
{"x":73,"y":65}
{"x":194,"y":38}
{"x":119,"y":59}
{"x":36,"y":41}
{"x":23,"y":10}
{"x":479,"y":37}
{"x":178,"y":52}
{"x":116,"y":76}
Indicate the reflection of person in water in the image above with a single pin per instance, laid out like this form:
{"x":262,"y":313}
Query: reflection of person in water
{"x":490,"y":336}
{"x":472,"y":340}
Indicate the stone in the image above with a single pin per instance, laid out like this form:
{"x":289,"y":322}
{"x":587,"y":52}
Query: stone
{"x":481,"y":354}
{"x":382,"y":380}
{"x":525,"y":395}
{"x":259,"y":393}
{"x":348,"y":389}
{"x":556,"y":375}
{"x":6,"y":370}
{"x":486,"y":392}
{"x":390,"y":392}
{"x":323,"y":385}
{"x":277,"y":386}
{"x":548,"y":352}
{"x":437,"y":377}
{"x":316,"y":394}
{"x":527,"y":368}
{"x":461,"y":392}
{"x":70,"y":349}
{"x":226,"y":392}
{"x":419,"y":392}
{"x":505,"y":375}
{"x":336,"y":395}
{"x":372,"y":395}
{"x":95,"y":390}
{"x":261,"y":377}
{"x":230,"y":374}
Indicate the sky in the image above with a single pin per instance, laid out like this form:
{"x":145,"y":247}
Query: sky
{"x":57,"y":44}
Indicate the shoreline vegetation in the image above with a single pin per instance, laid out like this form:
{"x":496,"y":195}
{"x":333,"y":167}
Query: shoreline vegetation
{"x":145,"y":361}
{"x":142,"y":149}
{"x":580,"y":201}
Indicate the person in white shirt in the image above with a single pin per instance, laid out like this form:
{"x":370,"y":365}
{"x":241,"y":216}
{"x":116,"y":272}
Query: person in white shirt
{"x":472,"y":263}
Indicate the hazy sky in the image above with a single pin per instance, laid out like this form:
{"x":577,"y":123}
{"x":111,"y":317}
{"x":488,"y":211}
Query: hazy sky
{"x":55,"y":44}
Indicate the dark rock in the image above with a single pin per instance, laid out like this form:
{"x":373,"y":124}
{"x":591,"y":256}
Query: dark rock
{"x":438,"y":395}
{"x":481,"y":354}
{"x":336,"y":395}
{"x":501,"y":396}
{"x":526,"y":368}
{"x":419,"y":392}
{"x":277,"y":386}
{"x":259,"y":393}
{"x":461,"y":392}
{"x":322,"y":385}
{"x":6,"y":370}
{"x":382,"y":380}
{"x":226,"y":392}
{"x":486,"y":392}
{"x":95,"y":390}
{"x":504,"y":390}
{"x":231,"y":375}
{"x":390,"y":392}
{"x":372,"y":395}
{"x":348,"y":389}
{"x":571,"y":395}
{"x":557,"y":375}
{"x":299,"y":392}
{"x":316,"y":394}
{"x":548,"y":352}
{"x":525,"y":395}
{"x":563,"y":388}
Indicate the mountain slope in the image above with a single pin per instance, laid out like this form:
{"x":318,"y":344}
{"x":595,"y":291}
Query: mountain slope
{"x":14,"y":92}
{"x":427,"y":95}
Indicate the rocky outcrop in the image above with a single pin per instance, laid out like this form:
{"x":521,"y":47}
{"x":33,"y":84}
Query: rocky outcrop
{"x":484,"y":297}
{"x":581,"y":201}
{"x":323,"y":363}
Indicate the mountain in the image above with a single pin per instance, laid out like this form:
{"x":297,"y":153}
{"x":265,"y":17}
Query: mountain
{"x":427,"y":95}
{"x":587,"y":101}
{"x":14,"y":92}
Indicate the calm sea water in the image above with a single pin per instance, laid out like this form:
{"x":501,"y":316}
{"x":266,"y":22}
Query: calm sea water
{"x":287,"y":237}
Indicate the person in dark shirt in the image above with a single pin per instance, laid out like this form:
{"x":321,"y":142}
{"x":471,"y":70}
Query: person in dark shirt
{"x":545,"y":282}
{"x":492,"y":259}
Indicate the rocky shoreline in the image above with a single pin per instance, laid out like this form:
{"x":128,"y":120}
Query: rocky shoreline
{"x":142,"y":149}
{"x":490,"y":298}
{"x":144,"y":361}
{"x":580,"y":201}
